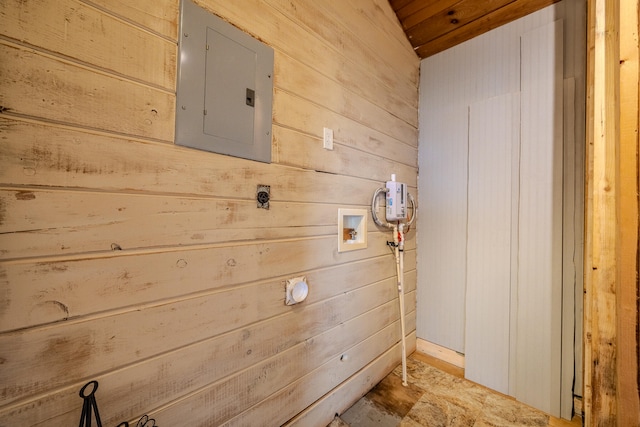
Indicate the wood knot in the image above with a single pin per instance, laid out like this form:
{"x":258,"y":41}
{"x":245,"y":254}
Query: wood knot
{"x":25,"y":195}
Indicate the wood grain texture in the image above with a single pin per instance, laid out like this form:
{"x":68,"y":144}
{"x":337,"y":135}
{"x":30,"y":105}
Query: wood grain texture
{"x":445,"y":356}
{"x":46,"y":222}
{"x":601,"y":285}
{"x":306,"y":117}
{"x":147,"y":266}
{"x":413,"y":13}
{"x":628,"y":355}
{"x":326,"y":24}
{"x":384,"y":16}
{"x":307,"y":389}
{"x":451,"y":18}
{"x":322,"y":412}
{"x":70,"y":287}
{"x":306,"y":44}
{"x":79,"y":32}
{"x":488,"y":22}
{"x":310,"y":84}
{"x":436,"y":26}
{"x":309,"y":154}
{"x":46,"y":155}
{"x":225,"y":361}
{"x":158,"y":16}
{"x":54,"y":89}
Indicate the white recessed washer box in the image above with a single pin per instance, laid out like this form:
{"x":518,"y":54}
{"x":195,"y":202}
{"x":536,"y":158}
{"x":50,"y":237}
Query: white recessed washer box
{"x":352,"y":229}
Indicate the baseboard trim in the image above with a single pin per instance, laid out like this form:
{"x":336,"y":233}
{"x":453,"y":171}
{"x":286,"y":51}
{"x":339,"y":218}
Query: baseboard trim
{"x":439,"y":352}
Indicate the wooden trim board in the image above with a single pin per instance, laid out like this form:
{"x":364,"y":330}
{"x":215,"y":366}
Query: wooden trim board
{"x":439,"y":352}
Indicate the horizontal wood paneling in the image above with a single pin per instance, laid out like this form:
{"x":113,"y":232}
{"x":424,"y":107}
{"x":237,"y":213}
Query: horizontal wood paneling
{"x":309,"y":154}
{"x":46,"y":222}
{"x":62,"y":156}
{"x":307,"y":390}
{"x":71,"y":282}
{"x":316,"y":87}
{"x":148,"y":266}
{"x":341,"y":398}
{"x":389,"y":38}
{"x":160,"y":16}
{"x":306,"y":39}
{"x":309,"y":118}
{"x":55,"y":90}
{"x":325,"y":22}
{"x":220,"y":359}
{"x":79,"y":32}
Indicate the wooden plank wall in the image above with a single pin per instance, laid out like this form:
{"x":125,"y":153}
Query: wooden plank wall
{"x":147,"y":266}
{"x":611,"y":379}
{"x":629,"y":300}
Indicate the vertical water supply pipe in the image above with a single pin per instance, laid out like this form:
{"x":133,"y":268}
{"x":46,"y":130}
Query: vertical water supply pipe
{"x":399,"y":249}
{"x":398,"y":228}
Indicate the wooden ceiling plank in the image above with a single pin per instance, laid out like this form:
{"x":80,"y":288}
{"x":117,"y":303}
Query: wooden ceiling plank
{"x":450,"y":19}
{"x":508,"y":13}
{"x":427,"y":11}
{"x":396,"y":5}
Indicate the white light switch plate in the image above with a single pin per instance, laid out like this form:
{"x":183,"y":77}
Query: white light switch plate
{"x":327,"y":139}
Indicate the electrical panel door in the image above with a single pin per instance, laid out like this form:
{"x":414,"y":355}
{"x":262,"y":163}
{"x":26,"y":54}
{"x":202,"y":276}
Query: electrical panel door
{"x":225,"y":87}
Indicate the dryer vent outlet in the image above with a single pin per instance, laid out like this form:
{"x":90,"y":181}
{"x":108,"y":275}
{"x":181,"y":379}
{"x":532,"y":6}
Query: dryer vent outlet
{"x":296,"y":290}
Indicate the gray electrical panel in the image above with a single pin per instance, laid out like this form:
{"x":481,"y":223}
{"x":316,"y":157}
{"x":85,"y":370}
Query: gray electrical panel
{"x":225,"y":87}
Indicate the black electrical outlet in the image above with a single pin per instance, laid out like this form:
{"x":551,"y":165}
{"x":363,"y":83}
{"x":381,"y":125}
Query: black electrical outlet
{"x":263,"y":194}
